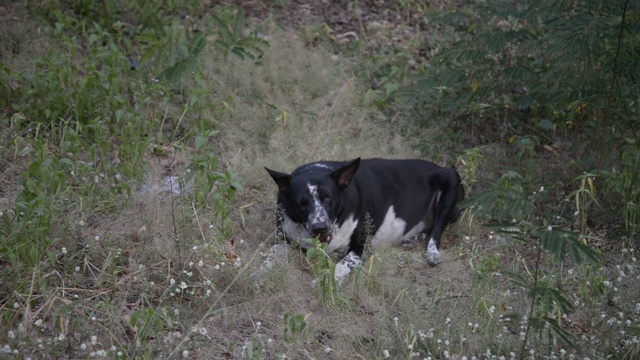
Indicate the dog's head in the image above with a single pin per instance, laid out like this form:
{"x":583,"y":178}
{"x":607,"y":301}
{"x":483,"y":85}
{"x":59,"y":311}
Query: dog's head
{"x":312,"y":197}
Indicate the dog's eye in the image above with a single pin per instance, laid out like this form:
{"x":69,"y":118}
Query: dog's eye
{"x":325,"y":198}
{"x":304,"y":203}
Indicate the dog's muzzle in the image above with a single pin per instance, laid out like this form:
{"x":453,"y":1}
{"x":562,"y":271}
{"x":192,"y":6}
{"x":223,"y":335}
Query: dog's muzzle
{"x":322,"y":231}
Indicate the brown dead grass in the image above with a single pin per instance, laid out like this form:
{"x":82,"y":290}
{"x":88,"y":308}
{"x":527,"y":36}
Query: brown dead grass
{"x":309,"y":109}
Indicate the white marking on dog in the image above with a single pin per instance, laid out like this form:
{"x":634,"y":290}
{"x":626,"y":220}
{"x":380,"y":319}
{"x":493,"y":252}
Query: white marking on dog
{"x":391,"y":230}
{"x":433,"y":255}
{"x":324,"y":166}
{"x":277,"y":253}
{"x":344,"y":267}
{"x":341,"y":236}
{"x":319,"y":213}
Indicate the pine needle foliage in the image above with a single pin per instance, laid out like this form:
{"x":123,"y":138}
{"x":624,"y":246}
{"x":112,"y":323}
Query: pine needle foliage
{"x":231,"y":38}
{"x":543,"y":73}
{"x":543,"y":56}
{"x":540,"y":74}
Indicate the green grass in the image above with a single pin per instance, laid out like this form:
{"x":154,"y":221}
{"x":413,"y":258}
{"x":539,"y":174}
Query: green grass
{"x":99,"y":258}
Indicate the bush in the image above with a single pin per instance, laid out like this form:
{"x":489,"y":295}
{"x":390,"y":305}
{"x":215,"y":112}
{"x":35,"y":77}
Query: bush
{"x":549,"y":76}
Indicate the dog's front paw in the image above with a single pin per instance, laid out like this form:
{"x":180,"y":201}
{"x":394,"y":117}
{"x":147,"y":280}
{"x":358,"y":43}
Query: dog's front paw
{"x":433,"y":255}
{"x":433,"y":259}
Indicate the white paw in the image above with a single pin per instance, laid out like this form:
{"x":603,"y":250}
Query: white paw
{"x":433,"y":258}
{"x":433,"y":255}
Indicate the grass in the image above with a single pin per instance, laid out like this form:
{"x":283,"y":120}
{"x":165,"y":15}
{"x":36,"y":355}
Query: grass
{"x":130,"y":229}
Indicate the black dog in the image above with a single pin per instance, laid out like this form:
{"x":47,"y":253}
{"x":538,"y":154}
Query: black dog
{"x":345,"y":203}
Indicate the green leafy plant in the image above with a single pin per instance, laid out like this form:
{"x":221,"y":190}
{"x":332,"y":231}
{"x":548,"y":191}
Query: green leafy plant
{"x":231,"y":38}
{"x":253,"y":349}
{"x":146,"y":323}
{"x":513,"y":213}
{"x":543,"y":73}
{"x":24,"y":237}
{"x":212,"y":185}
{"x":294,"y":328}
{"x":622,"y":184}
{"x":324,"y":270}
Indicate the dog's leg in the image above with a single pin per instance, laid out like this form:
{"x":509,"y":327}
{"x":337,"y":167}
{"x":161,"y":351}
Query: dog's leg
{"x":344,"y":267}
{"x":449,"y":194}
{"x":433,"y":255}
{"x":277,"y":253}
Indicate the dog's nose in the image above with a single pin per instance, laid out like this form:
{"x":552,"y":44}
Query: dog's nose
{"x":319,"y":228}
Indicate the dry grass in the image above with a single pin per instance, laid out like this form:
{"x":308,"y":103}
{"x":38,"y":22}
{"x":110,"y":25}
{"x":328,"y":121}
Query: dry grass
{"x":309,"y":109}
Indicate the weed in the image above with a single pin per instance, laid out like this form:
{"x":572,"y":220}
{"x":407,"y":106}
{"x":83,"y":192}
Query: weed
{"x":294,"y":328}
{"x":324,"y":270}
{"x":231,"y":38}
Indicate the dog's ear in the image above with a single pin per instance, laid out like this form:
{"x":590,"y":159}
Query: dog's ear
{"x":344,"y":175}
{"x":281,"y":179}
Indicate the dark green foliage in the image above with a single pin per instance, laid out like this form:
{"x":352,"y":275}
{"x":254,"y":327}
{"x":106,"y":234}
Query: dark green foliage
{"x":505,"y":202}
{"x":562,"y":242}
{"x":231,"y":38}
{"x":547,"y":73}
{"x":187,"y":63}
